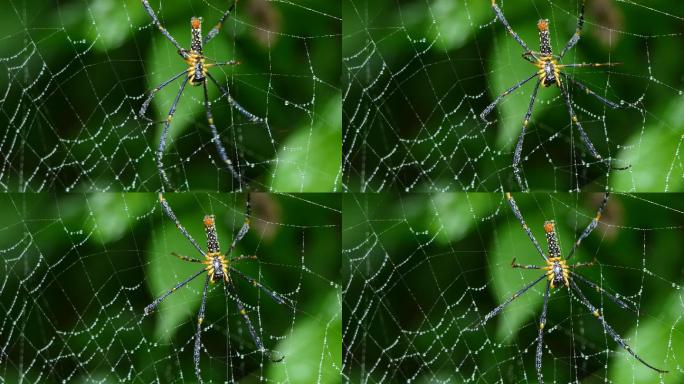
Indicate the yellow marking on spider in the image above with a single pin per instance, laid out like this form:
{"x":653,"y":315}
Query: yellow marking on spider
{"x":596,"y":313}
{"x":541,"y":325}
{"x":243,"y":312}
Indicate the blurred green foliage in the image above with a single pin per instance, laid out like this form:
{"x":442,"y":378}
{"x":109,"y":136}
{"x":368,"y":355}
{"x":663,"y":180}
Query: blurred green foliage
{"x":423,"y":269}
{"x":79,"y":269}
{"x":421,"y":73}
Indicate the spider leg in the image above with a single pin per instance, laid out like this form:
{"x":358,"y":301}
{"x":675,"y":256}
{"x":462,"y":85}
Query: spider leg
{"x":221,"y":63}
{"x":155,"y":21}
{"x":540,"y":342}
{"x":493,"y":104}
{"x":169,"y":213}
{"x":519,"y":146}
{"x":234,"y":103}
{"x":608,"y":328}
{"x":590,"y":227}
{"x":503,"y":20}
{"x":576,"y":36}
{"x":200,"y":319}
{"x":187,"y":258}
{"x":516,"y":265}
{"x":248,"y":322}
{"x":573,"y":117}
{"x":214,"y":31}
{"x":583,"y":87}
{"x":612,"y":297}
{"x":518,"y":215}
{"x":276,"y":297}
{"x":245,"y":226}
{"x":242,"y":257}
{"x":581,"y":265}
{"x":161,"y":86}
{"x":161,"y":298}
{"x":501,"y":306}
{"x":217,"y":140}
{"x":165,"y":132}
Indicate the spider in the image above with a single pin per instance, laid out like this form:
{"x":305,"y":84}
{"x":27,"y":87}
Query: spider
{"x":218,"y":267}
{"x":549,"y":73}
{"x":196,"y":73}
{"x":558,"y":274}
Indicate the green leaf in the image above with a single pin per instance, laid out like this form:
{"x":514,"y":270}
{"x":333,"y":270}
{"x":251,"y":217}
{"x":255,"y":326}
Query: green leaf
{"x":311,"y":158}
{"x":455,"y":22}
{"x":660,"y":342}
{"x":114,"y":214}
{"x":113,"y":22}
{"x":313,"y":340}
{"x":655,"y":155}
{"x":465,"y":211}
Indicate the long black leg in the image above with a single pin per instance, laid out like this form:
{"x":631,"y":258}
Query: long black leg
{"x":225,"y":93}
{"x":169,"y":213}
{"x":217,"y":140}
{"x":518,"y":215}
{"x":198,"y":335}
{"x":245,"y":226}
{"x":501,"y":306}
{"x":609,"y":329}
{"x":576,"y":36}
{"x":223,"y":63}
{"x":165,"y":132}
{"x":581,"y":86}
{"x":521,"y":266}
{"x":276,"y":297}
{"x":573,"y":117}
{"x":215,"y":30}
{"x":155,"y":21}
{"x":252,"y":332}
{"x":519,"y":146}
{"x":590,"y":227}
{"x":503,"y":20}
{"x":161,"y":298}
{"x":613,"y":298}
{"x":161,"y":86}
{"x":540,"y":338}
{"x":493,"y":104}
{"x":187,"y":258}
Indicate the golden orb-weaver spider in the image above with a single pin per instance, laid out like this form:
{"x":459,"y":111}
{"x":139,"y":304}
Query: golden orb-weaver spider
{"x":196,"y":74}
{"x":550,"y":72}
{"x":218,"y":268}
{"x":558,"y":274}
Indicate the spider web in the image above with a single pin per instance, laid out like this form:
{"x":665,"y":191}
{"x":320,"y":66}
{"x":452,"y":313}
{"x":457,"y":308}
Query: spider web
{"x":74,"y":76}
{"x":417,"y":75}
{"x":421,"y":271}
{"x":78,"y":270}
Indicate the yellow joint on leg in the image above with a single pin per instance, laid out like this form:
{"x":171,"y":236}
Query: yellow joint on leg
{"x":200,"y":320}
{"x":541,"y":326}
{"x":242,"y":312}
{"x":525,"y":123}
{"x":596,"y":313}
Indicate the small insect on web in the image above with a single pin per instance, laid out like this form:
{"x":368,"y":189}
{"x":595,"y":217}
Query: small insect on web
{"x":219,"y":267}
{"x":558,"y":274}
{"x":197,"y":73}
{"x":550,"y":72}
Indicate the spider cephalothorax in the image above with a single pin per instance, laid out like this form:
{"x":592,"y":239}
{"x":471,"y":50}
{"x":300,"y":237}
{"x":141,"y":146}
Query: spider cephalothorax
{"x":556,"y":268}
{"x":217,"y":265}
